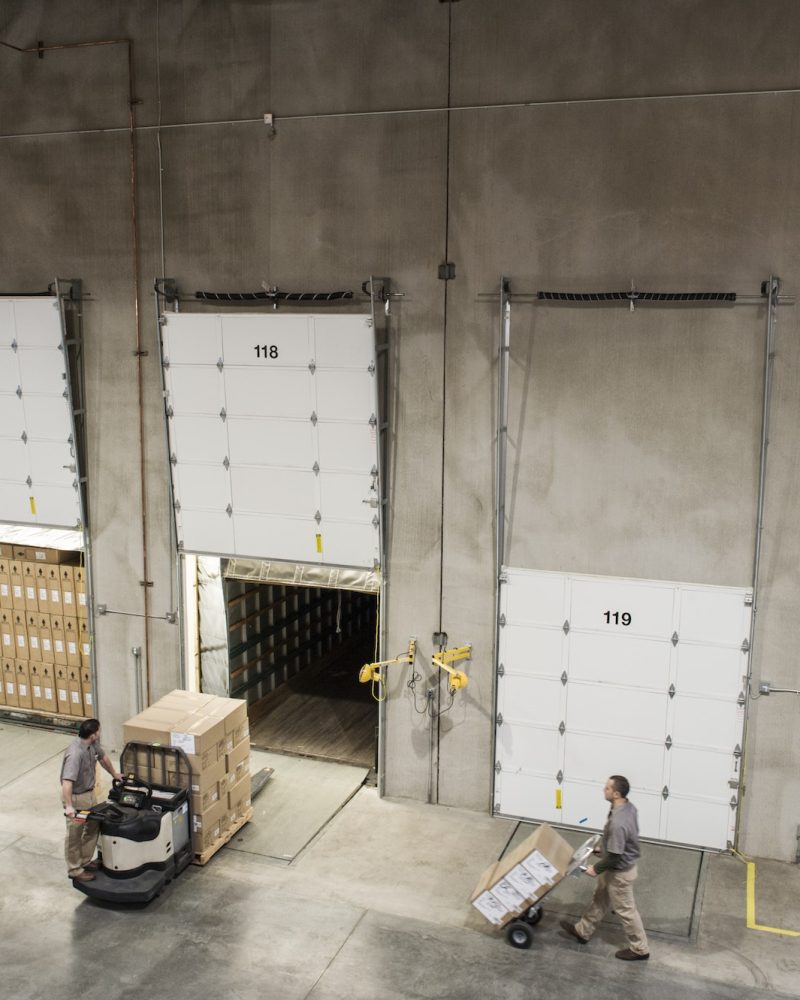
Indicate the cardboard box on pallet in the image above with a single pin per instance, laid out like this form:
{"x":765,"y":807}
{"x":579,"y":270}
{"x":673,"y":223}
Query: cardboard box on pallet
{"x":207,"y":826}
{"x":17,"y":586}
{"x":54,"y":591}
{"x":86,"y":689}
{"x":204,"y":785}
{"x":48,"y":688}
{"x":20,"y":635}
{"x":45,"y":638}
{"x":61,"y":680}
{"x":510,"y":886}
{"x":41,"y":554}
{"x":34,"y":645}
{"x":5,"y":585}
{"x":66,"y":578}
{"x":75,"y":691}
{"x":233,"y":712}
{"x":84,"y":642}
{"x":29,"y":585}
{"x":37,"y":685}
{"x":239,"y":799}
{"x":71,"y":642}
{"x":24,"y":693}
{"x":79,"y":574}
{"x":7,"y":633}
{"x":59,"y":640}
{"x":42,"y":591}
{"x":10,"y":683}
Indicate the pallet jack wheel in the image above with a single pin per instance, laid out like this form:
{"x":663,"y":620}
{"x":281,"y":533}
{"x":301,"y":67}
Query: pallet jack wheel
{"x":533,"y":915}
{"x":519,"y":934}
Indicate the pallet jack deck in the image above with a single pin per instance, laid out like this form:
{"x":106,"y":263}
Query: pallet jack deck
{"x":208,"y":854}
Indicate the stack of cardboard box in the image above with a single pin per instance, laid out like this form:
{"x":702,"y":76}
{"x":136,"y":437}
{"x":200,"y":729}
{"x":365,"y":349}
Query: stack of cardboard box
{"x":214,"y":733}
{"x":44,"y":631}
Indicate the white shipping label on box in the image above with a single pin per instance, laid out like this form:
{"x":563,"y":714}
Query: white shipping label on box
{"x":23,"y":690}
{"x":55,"y":596}
{"x":82,"y":599}
{"x":62,"y":694}
{"x":524,"y":881}
{"x":87,"y":697}
{"x":48,"y":694}
{"x":184,"y":741}
{"x":42,"y":594}
{"x":76,"y":697}
{"x":3,"y":590}
{"x":59,"y":645}
{"x":17,"y":591}
{"x":9,"y":687}
{"x":85,"y":648}
{"x":34,"y":642}
{"x":72,"y":647}
{"x":490,"y":907}
{"x":538,"y":865}
{"x":6,"y":639}
{"x":67,"y":597}
{"x":508,"y":895}
{"x":46,"y":645}
{"x":21,"y":641}
{"x":37,"y":691}
{"x":30,"y":593}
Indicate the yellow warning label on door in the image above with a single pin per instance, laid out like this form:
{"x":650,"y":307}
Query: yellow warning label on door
{"x":319,"y":543}
{"x":558,"y":798}
{"x":33,"y":504}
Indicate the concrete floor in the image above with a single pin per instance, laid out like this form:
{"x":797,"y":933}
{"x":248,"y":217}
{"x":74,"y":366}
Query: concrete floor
{"x":374,"y":906}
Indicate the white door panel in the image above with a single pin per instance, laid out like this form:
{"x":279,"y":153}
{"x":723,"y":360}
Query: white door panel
{"x":55,"y":504}
{"x":716,"y":671}
{"x":195,"y":389}
{"x":535,"y":599}
{"x":346,"y":544}
{"x":342,"y":497}
{"x":283,"y":491}
{"x":282,"y":537}
{"x":636,"y":714}
{"x":715,"y":616}
{"x":206,"y":531}
{"x":41,"y":371}
{"x":192,"y":339}
{"x":650,"y":606}
{"x":14,"y":460}
{"x":37,"y":321}
{"x":9,"y":373}
{"x":623,"y":660}
{"x":271,"y":392}
{"x":46,"y":417}
{"x":593,"y":757}
{"x":341,"y":344}
{"x":12,"y":415}
{"x":706,"y":722}
{"x":531,"y":748}
{"x":198,"y":438}
{"x":533,"y":700}
{"x":15,"y":506}
{"x":347,"y":447}
{"x":524,"y":794}
{"x":269,"y":341}
{"x":693,"y":769}
{"x":344,"y":396}
{"x":206,"y":484}
{"x":533,"y":651}
{"x":7,"y":326}
{"x":271,"y":442}
{"x":698,"y":821}
{"x":51,"y":462}
{"x":582,"y":804}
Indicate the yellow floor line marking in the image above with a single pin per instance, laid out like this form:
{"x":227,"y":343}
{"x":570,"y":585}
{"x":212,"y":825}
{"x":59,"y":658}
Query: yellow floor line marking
{"x":751,"y":907}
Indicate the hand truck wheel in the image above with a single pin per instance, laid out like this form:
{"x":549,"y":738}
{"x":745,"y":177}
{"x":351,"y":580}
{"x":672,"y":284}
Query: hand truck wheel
{"x":519,"y":934}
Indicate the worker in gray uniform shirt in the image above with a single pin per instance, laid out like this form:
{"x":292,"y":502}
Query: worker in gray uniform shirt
{"x":77,"y":792}
{"x":616,"y":873}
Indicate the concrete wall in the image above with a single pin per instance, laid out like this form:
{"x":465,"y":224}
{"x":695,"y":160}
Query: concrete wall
{"x":633,"y":437}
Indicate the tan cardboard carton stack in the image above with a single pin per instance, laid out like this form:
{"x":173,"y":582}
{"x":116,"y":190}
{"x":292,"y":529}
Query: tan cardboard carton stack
{"x":508,"y":887}
{"x":214,"y":734}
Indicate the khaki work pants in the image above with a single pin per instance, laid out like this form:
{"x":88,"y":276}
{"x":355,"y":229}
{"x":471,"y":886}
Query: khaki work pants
{"x":615,"y":892}
{"x":81,"y":838}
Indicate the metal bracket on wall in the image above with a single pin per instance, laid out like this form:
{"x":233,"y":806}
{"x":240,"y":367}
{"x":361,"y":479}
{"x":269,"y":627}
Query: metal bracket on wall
{"x":447,"y":271}
{"x":444,"y":660}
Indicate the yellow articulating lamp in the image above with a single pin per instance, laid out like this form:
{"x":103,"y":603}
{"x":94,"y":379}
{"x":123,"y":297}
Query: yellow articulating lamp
{"x":372,"y":671}
{"x":444,"y":659}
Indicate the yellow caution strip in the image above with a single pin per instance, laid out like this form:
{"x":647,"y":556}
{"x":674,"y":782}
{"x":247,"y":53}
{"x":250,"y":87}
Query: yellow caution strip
{"x":319,"y":543}
{"x":558,"y":798}
{"x":751,"y":903}
{"x":33,"y":504}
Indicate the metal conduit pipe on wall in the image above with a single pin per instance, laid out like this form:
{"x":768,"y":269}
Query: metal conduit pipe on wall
{"x":39,"y":51}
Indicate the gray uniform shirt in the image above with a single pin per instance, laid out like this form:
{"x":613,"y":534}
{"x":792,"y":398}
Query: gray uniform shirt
{"x":80,"y":761}
{"x":621,"y":836}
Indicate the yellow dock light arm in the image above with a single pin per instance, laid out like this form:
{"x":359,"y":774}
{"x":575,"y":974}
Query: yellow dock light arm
{"x":445,"y":659}
{"x":372,"y":671}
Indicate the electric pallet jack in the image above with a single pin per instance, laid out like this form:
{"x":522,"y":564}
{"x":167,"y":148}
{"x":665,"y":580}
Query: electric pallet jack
{"x":145,"y":836}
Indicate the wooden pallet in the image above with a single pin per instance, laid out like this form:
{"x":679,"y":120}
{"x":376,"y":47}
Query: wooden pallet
{"x":208,"y":854}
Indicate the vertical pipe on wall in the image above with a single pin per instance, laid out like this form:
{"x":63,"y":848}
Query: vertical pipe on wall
{"x":772,"y":290}
{"x":501,"y":458}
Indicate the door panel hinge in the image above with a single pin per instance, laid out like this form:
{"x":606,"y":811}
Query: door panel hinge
{"x":447,"y":271}
{"x":565,"y":626}
{"x":665,"y":793}
{"x":668,"y":741}
{"x":671,"y":691}
{"x":501,"y":671}
{"x":674,"y":639}
{"x":499,"y":719}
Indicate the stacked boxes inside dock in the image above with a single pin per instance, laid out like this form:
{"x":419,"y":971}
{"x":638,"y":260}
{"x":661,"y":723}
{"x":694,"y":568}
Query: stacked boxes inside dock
{"x":44,"y":632}
{"x":214,"y":733}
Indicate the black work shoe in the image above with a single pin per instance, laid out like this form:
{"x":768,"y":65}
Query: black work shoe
{"x":92,"y":866}
{"x":631,"y":956}
{"x":83,"y":877}
{"x":570,"y":929}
